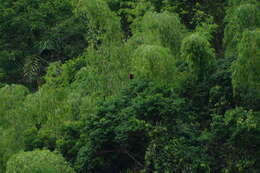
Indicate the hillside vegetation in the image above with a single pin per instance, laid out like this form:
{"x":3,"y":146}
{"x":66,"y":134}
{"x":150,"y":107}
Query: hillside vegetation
{"x":129,"y":86}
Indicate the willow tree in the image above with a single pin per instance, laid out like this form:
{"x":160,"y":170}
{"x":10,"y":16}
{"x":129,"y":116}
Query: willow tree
{"x":241,"y":16}
{"x":164,"y":29}
{"x":155,"y":63}
{"x":245,"y":70}
{"x":106,"y":70}
{"x":198,"y":54}
{"x":239,"y":2}
{"x":38,"y":161}
{"x":11,"y":122}
{"x":103,"y":25}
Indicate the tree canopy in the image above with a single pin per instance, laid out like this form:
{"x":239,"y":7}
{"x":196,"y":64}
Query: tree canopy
{"x":38,"y":162}
{"x":129,"y":86}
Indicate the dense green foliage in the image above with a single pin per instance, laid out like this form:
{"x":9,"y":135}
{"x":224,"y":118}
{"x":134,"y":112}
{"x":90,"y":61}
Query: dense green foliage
{"x":34,"y":33}
{"x":37,"y":162}
{"x":129,"y":86}
{"x":241,"y":16}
